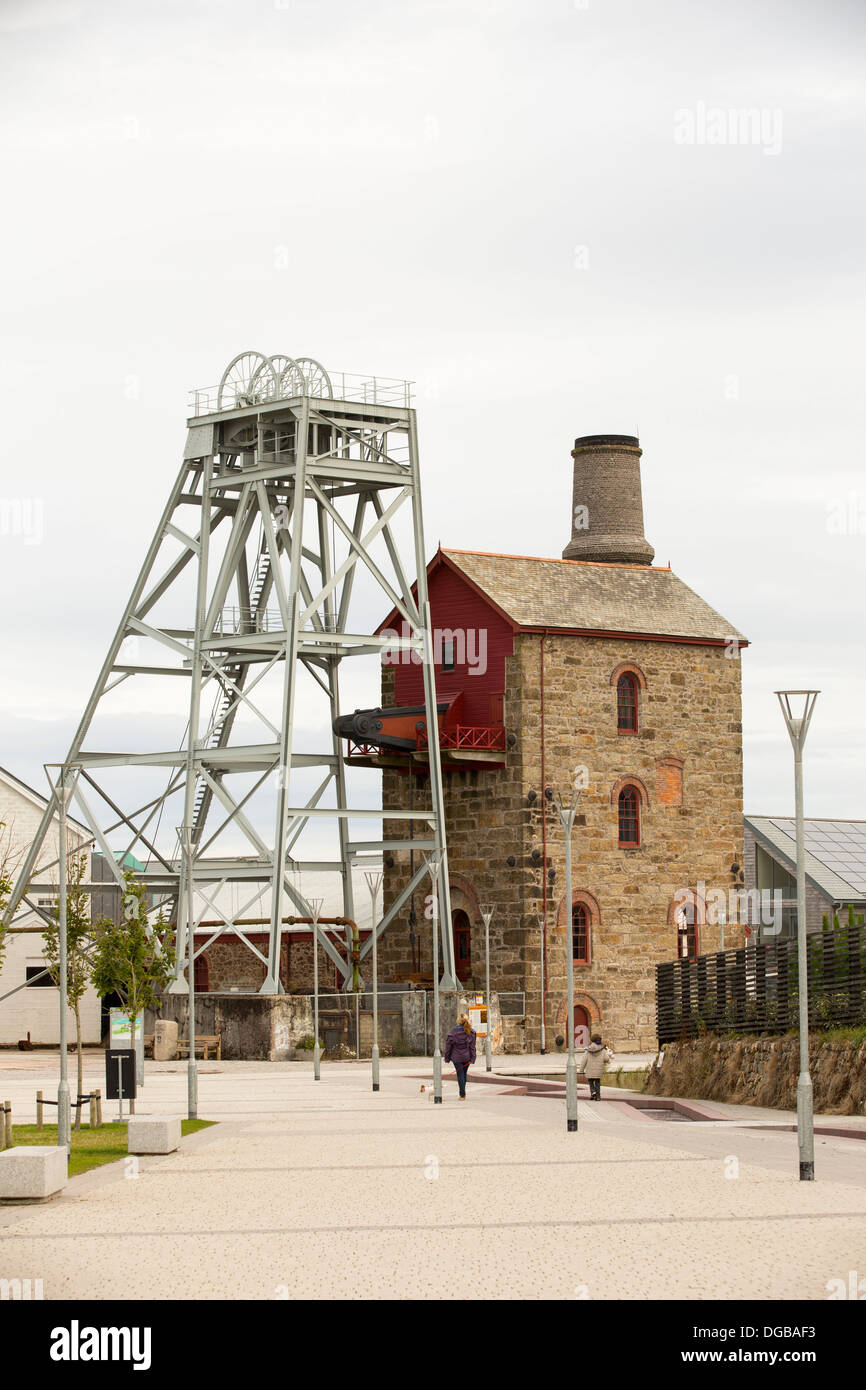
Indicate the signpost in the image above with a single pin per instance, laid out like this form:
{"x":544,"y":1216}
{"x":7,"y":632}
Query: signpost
{"x":120,"y":1075}
{"x":119,"y":1036}
{"x":478,"y":1016}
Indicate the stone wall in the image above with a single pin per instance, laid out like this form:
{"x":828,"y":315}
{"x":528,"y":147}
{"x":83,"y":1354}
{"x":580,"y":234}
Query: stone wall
{"x":689,"y":716}
{"x":763,"y":1071}
{"x":256,"y":1027}
{"x":253,"y":1027}
{"x":232,"y":966}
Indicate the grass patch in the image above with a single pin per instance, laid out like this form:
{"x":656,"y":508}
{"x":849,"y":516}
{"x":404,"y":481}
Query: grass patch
{"x":91,"y":1147}
{"x":626,"y":1080}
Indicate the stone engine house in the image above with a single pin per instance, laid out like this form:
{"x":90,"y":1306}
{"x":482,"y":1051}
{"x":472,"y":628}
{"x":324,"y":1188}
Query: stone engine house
{"x":600,"y":661}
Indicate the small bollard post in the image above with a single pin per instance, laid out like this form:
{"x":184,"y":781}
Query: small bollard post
{"x":93,"y":1110}
{"x":98,"y":1108}
{"x":8,"y":1125}
{"x":38,"y":1109}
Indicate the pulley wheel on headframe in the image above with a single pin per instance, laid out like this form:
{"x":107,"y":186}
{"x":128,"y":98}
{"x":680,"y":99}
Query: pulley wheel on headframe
{"x":247,"y":379}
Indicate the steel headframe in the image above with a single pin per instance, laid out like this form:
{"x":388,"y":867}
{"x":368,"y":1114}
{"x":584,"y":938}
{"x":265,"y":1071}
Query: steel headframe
{"x":285,"y":492}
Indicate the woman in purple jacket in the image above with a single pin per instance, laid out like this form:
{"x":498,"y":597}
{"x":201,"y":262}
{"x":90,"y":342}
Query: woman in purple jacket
{"x":460,"y":1049}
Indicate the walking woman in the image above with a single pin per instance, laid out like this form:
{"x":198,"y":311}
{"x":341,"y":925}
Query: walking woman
{"x":460,"y":1049}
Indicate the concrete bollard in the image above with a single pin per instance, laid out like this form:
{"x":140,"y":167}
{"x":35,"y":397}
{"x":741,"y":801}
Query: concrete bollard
{"x":38,"y":1109}
{"x":165,"y":1040}
{"x":153,"y":1134}
{"x":33,"y":1172}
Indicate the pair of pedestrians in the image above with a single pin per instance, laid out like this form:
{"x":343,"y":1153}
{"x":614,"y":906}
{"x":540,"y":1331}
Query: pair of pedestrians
{"x":460,"y":1049}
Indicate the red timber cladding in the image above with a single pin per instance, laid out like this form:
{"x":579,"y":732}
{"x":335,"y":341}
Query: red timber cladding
{"x":487,"y":639}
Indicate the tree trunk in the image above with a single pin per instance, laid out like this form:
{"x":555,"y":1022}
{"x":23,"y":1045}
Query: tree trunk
{"x":133,"y":1018}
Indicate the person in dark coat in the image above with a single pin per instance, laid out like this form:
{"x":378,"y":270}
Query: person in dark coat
{"x":460,"y":1049}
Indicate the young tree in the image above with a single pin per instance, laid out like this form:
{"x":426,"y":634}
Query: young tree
{"x":10,"y":857}
{"x":78,"y":946}
{"x":133,"y":957}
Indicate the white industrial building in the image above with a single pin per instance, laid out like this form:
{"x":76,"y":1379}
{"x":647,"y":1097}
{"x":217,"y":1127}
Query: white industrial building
{"x":34,"y":1009}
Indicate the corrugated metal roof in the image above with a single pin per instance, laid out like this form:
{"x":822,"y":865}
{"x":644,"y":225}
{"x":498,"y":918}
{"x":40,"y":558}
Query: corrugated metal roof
{"x":835,"y":851}
{"x":587,"y":595}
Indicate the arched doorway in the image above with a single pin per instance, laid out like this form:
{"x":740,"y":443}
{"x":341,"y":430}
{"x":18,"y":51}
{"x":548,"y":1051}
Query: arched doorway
{"x":581,"y":1026}
{"x":687,"y":932}
{"x":202,"y":975}
{"x":462,"y":944}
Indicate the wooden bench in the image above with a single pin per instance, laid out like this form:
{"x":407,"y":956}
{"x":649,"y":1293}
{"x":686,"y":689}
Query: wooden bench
{"x":204,"y":1042}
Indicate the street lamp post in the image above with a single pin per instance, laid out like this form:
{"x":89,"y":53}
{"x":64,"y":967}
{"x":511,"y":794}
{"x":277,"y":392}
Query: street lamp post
{"x":433,"y":863}
{"x":64,"y":1137}
{"x":486,"y":914}
{"x":798,"y":727}
{"x":316,"y":905}
{"x":541,"y":929}
{"x":188,"y":845}
{"x":567,"y":815}
{"x":373,"y":881}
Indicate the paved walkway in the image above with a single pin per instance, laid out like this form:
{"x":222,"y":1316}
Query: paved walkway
{"x":326,"y":1190}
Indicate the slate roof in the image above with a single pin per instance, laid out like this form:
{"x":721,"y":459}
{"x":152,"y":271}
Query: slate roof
{"x":835,"y":852}
{"x":587,"y":595}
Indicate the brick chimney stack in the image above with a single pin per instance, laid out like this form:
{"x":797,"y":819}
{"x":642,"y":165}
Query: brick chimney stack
{"x":607,"y":510}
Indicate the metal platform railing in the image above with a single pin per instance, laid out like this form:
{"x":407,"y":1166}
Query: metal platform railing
{"x":232,"y":619}
{"x":346,"y":386}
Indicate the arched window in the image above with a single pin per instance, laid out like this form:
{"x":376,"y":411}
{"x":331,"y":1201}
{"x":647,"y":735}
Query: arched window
{"x":629,"y":819}
{"x":579,"y":934}
{"x":462,"y":944}
{"x":626,"y":704}
{"x":687,"y":932}
{"x":202,"y":975}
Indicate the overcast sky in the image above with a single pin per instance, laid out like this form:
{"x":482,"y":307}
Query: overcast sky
{"x":522,"y":205}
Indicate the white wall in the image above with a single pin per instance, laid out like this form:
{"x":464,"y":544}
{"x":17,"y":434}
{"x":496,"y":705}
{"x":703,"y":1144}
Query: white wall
{"x":36,"y":1011}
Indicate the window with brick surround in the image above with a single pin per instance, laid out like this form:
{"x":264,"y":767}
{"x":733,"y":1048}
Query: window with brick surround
{"x":579,"y":934}
{"x":626,"y":704}
{"x":687,"y":933}
{"x":462,"y":944}
{"x":629,"y":818}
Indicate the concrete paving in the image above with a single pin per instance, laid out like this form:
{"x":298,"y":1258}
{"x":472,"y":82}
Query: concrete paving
{"x":327,"y":1190}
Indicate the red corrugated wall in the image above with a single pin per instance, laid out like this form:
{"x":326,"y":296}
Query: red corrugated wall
{"x":455,"y":606}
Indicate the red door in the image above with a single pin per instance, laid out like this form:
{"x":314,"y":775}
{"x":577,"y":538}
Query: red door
{"x":581,"y":1026}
